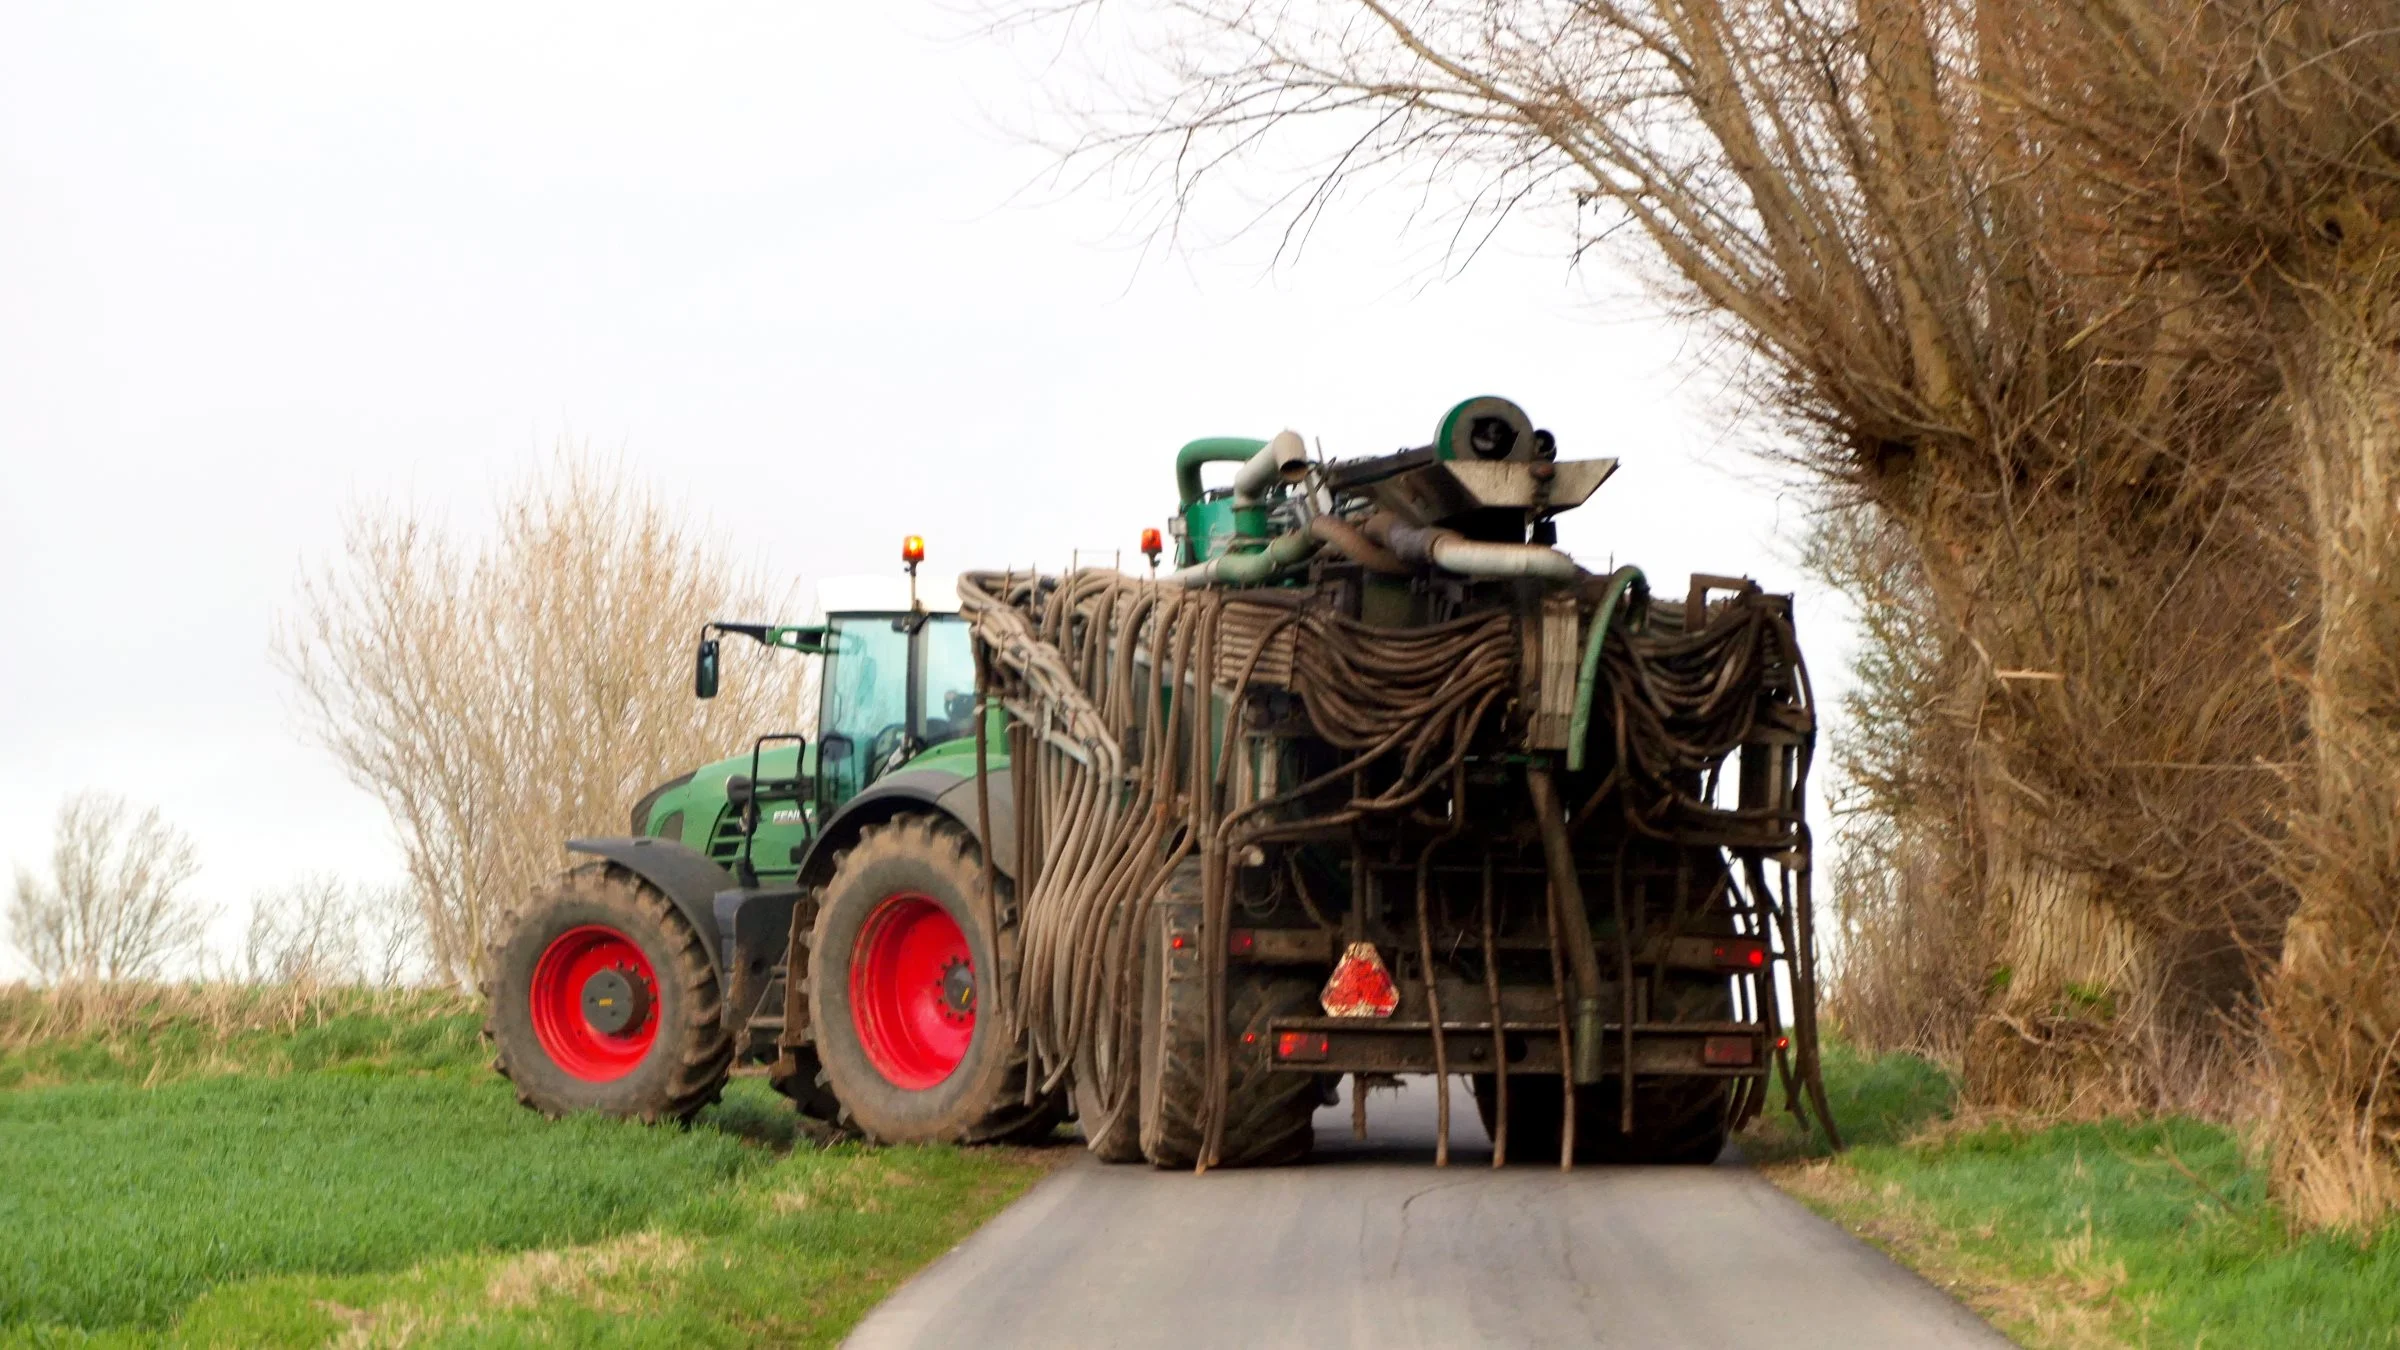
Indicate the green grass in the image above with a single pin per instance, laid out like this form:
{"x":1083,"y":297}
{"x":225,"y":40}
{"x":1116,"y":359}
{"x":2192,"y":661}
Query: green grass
{"x":2152,"y":1233}
{"x":365,"y":1177}
{"x":172,"y":1032}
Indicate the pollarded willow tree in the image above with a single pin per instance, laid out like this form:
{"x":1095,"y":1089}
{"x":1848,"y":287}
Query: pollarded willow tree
{"x":2076,"y":312}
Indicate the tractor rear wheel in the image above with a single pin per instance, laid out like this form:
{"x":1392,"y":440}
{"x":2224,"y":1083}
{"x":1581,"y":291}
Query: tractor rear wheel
{"x":1268,"y":1115}
{"x":600,"y":997}
{"x":899,"y":970}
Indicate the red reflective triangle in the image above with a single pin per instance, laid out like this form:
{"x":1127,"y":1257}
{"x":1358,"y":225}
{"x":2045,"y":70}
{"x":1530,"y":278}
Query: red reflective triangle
{"x":1360,"y":986}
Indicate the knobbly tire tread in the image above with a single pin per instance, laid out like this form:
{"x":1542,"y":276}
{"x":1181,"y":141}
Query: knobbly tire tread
{"x":1677,"y":1121}
{"x":1269,"y":1116}
{"x":688,"y":1065}
{"x":997,"y":1114}
{"x":1121,"y":1142}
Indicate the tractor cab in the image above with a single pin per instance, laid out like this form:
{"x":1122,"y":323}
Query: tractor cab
{"x":895,"y":683}
{"x":898,"y":679}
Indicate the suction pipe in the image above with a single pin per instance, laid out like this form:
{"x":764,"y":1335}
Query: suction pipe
{"x":1454,"y":552}
{"x":1282,"y":460}
{"x":1249,"y":569}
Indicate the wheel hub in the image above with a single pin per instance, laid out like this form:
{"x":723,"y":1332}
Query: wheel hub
{"x":592,"y":997}
{"x":614,"y":1002}
{"x":958,"y":991}
{"x":912,"y":991}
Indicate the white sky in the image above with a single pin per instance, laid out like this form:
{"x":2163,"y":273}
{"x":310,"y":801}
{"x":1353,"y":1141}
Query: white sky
{"x":260,"y":262}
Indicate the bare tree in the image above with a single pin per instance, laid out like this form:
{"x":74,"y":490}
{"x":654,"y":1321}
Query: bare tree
{"x":319,"y":930}
{"x":500,"y":702}
{"x":391,"y":936}
{"x":113,"y":907}
{"x":303,"y":933}
{"x":2088,"y":306}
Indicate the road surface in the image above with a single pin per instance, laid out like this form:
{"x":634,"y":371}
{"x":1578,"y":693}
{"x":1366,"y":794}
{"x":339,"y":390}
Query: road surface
{"x":1371,"y":1246}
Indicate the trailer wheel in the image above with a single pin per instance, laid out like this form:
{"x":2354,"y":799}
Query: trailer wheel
{"x":899,"y":969}
{"x":1117,"y":1140}
{"x":600,"y":997}
{"x":1676,"y":1120}
{"x":1267,"y":1114}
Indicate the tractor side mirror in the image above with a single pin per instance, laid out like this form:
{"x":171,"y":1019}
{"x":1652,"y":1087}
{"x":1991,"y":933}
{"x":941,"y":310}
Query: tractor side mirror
{"x":704,"y":670}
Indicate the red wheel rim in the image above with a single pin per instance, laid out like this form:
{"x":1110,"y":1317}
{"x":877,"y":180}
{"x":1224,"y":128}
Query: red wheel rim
{"x":605,"y":964}
{"x":912,"y":991}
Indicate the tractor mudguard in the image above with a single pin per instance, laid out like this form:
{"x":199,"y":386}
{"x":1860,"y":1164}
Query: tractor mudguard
{"x":917,"y":789}
{"x":686,"y":876}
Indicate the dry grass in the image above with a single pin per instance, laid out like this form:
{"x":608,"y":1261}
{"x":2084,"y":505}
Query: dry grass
{"x":128,"y":1011}
{"x":153,"y":1033}
{"x":585,"y":1274}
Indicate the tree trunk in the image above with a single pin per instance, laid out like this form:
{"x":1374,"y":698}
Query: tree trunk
{"x":2334,"y":1014}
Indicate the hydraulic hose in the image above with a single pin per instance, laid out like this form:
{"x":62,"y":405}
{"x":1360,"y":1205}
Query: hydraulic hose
{"x":1353,"y":544}
{"x":1574,"y":924}
{"x":1587,"y":676}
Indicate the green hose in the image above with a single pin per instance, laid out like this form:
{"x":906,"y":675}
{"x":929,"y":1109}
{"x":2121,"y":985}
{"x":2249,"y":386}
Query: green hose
{"x":1250,"y":569}
{"x":1587,"y":678}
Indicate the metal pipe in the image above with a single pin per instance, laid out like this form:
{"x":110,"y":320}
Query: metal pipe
{"x":1574,"y":925}
{"x":1249,"y":569}
{"x":1454,"y":552}
{"x":1282,"y":460}
{"x":1587,"y":676}
{"x":1209,"y":450}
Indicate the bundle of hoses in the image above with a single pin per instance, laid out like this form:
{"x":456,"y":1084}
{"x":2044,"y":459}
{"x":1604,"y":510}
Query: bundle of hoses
{"x":1677,"y":702}
{"x":1128,"y":710}
{"x":1681,"y":697}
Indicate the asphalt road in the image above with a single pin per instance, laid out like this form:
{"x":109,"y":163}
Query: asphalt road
{"x":1371,"y":1246}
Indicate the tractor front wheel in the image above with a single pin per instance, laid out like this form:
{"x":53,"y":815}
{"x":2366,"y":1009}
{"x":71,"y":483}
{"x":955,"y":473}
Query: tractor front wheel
{"x":900,"y":973}
{"x":600,"y":997}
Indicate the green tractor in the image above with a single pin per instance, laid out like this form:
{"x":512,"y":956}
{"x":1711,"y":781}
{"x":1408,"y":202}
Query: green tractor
{"x":633,"y":983}
{"x":1375,"y":781}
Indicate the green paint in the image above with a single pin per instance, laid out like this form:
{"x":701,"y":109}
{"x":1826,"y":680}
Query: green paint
{"x":1209,"y":450}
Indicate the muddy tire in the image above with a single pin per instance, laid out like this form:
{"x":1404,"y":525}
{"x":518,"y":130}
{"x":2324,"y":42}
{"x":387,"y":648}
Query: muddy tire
{"x":1267,"y":1114}
{"x":600,"y":997}
{"x":1676,"y":1120}
{"x":811,"y":1093}
{"x":898,"y":967}
{"x":1117,"y":1140}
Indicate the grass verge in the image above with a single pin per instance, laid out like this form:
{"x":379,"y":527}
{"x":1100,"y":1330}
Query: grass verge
{"x":194,"y":1175}
{"x":2108,"y":1233}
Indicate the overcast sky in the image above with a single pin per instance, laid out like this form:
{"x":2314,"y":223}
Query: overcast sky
{"x":259,"y":263}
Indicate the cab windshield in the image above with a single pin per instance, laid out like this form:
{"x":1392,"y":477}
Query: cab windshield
{"x":949,"y":680}
{"x":870,"y":723}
